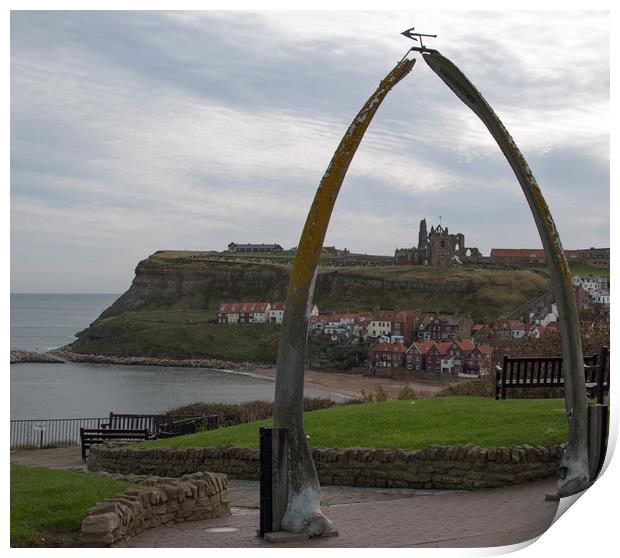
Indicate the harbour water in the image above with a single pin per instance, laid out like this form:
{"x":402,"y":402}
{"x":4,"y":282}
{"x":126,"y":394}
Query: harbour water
{"x":76,"y":390}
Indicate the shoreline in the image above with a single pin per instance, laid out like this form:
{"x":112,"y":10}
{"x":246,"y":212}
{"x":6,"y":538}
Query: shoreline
{"x":211,"y":363}
{"x":339,"y":384}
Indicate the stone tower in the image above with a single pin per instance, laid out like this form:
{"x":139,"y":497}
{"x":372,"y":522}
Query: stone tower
{"x":442,"y":247}
{"x":423,"y":235}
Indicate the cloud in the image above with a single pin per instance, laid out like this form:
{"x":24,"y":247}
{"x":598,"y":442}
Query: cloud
{"x":191,"y":129}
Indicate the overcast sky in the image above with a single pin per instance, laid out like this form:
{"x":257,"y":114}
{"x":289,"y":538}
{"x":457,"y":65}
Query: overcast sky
{"x":133,"y":132}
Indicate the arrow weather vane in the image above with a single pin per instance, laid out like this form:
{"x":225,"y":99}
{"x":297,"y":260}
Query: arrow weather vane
{"x":415,"y":37}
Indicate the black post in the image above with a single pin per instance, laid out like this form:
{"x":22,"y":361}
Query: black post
{"x":273,"y":478}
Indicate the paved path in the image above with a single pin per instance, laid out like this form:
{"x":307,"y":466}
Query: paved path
{"x":364,"y":517}
{"x":55,"y":458}
{"x":245,"y":494}
{"x":491,"y":517}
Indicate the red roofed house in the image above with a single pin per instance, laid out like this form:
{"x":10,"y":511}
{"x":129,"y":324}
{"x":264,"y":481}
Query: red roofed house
{"x":534,"y":330}
{"x":276,"y":313}
{"x":403,"y":324}
{"x":435,"y":355}
{"x":459,"y":351}
{"x":479,"y":361}
{"x":389,"y":355}
{"x":510,"y":329}
{"x":416,"y":355}
{"x":441,"y":327}
{"x":243,"y":313}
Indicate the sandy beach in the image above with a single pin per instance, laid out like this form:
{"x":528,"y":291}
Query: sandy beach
{"x":351,"y":385}
{"x":340,"y":384}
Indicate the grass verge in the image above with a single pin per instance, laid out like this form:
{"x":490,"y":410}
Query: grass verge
{"x":48,"y":506}
{"x":409,"y":426}
{"x":179,"y":334}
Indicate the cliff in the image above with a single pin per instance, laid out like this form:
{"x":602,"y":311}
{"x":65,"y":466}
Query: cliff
{"x":170,"y":282}
{"x":170,"y":307}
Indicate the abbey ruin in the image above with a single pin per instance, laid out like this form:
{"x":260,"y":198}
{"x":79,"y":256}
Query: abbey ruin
{"x":437,"y":248}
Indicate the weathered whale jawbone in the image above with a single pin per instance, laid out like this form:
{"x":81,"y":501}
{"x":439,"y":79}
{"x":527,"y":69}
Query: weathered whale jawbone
{"x":303,"y":513}
{"x":574,"y":474}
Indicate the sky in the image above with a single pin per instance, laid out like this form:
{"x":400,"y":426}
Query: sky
{"x":139,"y":131}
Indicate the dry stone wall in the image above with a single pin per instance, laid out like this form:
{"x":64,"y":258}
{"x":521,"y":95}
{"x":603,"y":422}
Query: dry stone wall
{"x":435,"y":467}
{"x":200,"y":495}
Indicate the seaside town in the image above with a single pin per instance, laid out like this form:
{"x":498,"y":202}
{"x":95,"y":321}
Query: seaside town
{"x":450,"y":344}
{"x":447,"y":344}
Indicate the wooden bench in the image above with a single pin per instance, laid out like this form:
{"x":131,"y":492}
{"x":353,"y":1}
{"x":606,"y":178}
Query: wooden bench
{"x":546,"y":372}
{"x":127,"y":421}
{"x":188,"y":425}
{"x":161,"y":424}
{"x":92,"y":436}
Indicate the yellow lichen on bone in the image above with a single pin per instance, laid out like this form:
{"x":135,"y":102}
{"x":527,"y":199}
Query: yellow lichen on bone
{"x":309,"y":249}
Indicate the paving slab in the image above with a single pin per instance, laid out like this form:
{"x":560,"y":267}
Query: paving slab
{"x":69,"y":458}
{"x":245,"y":494}
{"x":481,"y":518}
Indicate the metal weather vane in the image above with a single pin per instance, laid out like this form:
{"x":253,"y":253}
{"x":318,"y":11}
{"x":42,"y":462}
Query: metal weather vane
{"x":417,"y":37}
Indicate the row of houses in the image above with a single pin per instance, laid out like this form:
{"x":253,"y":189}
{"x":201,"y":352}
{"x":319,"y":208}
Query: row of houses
{"x":254,"y":312}
{"x":234,"y":247}
{"x":458,"y":357}
{"x":591,"y":291}
{"x":598,"y":257}
{"x":516,"y":329}
{"x":404,"y":326}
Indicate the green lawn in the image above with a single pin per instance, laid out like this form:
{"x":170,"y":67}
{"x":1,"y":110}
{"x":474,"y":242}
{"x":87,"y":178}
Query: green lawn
{"x":582,"y":270}
{"x":50,"y":504}
{"x":179,"y":333}
{"x":401,"y":424}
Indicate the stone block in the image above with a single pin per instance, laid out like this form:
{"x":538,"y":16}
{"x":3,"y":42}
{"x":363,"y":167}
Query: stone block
{"x":103,"y":507}
{"x":507,"y":478}
{"x":100,"y":523}
{"x":411,"y":477}
{"x":278,"y":537}
{"x":461,"y":452}
{"x":472,"y":454}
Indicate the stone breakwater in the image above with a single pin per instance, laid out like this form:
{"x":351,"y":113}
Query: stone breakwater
{"x":156,"y":361}
{"x":32,"y":356}
{"x":435,"y":467}
{"x":201,"y":495}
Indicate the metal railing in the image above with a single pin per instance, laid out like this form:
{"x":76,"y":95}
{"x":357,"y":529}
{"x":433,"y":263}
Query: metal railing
{"x":41,"y":433}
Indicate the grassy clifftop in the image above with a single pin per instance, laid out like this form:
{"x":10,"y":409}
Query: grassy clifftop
{"x":170,"y":308}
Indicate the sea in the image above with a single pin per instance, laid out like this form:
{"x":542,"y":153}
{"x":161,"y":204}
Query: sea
{"x":40,"y":322}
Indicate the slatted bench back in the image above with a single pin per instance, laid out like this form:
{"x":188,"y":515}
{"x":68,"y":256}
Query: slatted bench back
{"x":125,"y":421}
{"x":92,"y":436}
{"x":545,"y":372}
